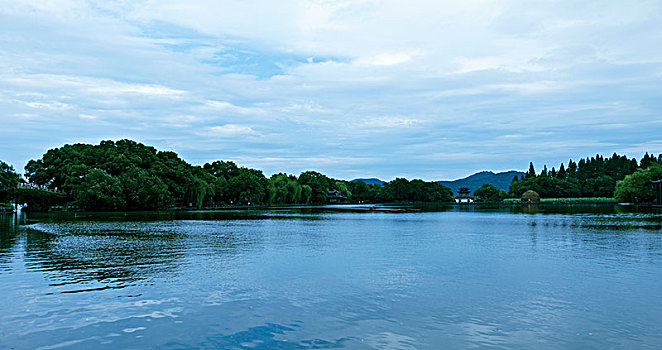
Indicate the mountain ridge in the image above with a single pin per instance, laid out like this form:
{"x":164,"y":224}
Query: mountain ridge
{"x":499,"y":180}
{"x":371,"y":181}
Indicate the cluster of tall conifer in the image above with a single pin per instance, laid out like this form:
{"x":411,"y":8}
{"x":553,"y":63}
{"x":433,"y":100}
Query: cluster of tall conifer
{"x":591,"y":177}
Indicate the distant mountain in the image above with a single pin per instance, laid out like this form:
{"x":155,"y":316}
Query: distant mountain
{"x":371,"y":181}
{"x":498,"y":180}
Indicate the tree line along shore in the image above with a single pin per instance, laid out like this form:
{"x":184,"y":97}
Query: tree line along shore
{"x":127,"y":175}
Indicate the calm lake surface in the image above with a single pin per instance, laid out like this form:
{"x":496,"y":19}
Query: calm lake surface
{"x":447,"y":277}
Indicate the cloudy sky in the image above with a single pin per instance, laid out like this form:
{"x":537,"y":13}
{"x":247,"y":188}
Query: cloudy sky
{"x":363,"y":88}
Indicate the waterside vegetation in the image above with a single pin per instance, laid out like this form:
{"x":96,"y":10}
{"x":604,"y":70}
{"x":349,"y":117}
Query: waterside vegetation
{"x":614,"y":178}
{"x":127,"y":175}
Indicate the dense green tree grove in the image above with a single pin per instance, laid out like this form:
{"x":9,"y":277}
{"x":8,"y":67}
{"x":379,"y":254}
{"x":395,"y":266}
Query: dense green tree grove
{"x":489,"y":193}
{"x":115,"y":175}
{"x":8,"y":181}
{"x":403,"y":190}
{"x":126,"y":175}
{"x":363,"y":192}
{"x":591,"y":177}
{"x":637,"y":187}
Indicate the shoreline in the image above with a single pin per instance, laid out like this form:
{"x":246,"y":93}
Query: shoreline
{"x":362,"y":207}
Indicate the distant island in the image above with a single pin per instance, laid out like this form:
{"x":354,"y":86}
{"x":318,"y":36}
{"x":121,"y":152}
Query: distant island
{"x":127,"y":175}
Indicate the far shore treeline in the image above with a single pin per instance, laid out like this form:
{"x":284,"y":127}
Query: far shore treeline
{"x":127,"y":175}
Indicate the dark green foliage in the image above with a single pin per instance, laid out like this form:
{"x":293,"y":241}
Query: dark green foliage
{"x":515,"y":179}
{"x":306,"y":194}
{"x":319,"y":184}
{"x":114,"y":175}
{"x":8,"y":182}
{"x":402,"y":190}
{"x":489,"y":193}
{"x":220,"y":173}
{"x":99,"y":190}
{"x":363,"y":192}
{"x":144,"y":191}
{"x":572,"y":168}
{"x":343,"y":187}
{"x":531,"y":173}
{"x":284,"y":189}
{"x":590,"y":177}
{"x":222,"y":169}
{"x":249,"y":186}
{"x":562,"y":175}
{"x":637,"y":187}
{"x":38,"y":200}
{"x":547,"y":187}
{"x":646,"y":161}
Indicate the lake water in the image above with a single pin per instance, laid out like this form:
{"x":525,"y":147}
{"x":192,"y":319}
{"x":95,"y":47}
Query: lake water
{"x":448,"y":277}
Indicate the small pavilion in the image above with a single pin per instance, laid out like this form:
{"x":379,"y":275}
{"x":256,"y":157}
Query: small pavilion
{"x":463,"y":196}
{"x":336,"y":197}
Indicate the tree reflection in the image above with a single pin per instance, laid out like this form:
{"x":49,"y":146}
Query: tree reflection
{"x":87,"y":252}
{"x":8,"y":237}
{"x":137,"y":250}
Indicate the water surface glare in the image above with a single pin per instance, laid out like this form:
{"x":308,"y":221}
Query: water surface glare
{"x":296,"y":279}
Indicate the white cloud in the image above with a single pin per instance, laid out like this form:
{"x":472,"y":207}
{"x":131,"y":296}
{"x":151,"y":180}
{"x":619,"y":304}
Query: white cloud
{"x":222,"y":106}
{"x":388,"y":122}
{"x":142,"y":89}
{"x":25,"y":115}
{"x":47,"y":105}
{"x":90,"y":84}
{"x":230,"y":130}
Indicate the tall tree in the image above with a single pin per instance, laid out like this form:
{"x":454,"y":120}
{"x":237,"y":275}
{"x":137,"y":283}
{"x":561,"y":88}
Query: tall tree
{"x":572,"y":168}
{"x":562,"y":174}
{"x":646,"y":161}
{"x":532,"y":171}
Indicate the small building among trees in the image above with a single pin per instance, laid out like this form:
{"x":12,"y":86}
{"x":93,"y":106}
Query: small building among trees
{"x":336,"y":197}
{"x":463,"y":196}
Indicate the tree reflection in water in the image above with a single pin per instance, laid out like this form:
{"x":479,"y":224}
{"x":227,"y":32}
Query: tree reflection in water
{"x":120,"y":250}
{"x":115,"y":254}
{"x":8,"y":238}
